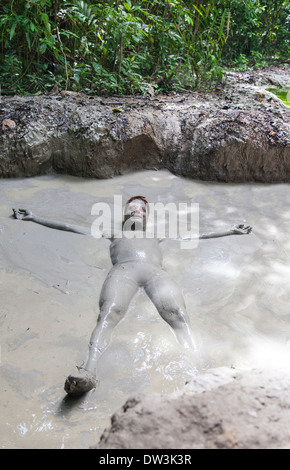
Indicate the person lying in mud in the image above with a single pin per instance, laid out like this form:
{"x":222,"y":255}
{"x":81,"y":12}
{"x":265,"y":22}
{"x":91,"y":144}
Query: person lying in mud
{"x":137,"y":262}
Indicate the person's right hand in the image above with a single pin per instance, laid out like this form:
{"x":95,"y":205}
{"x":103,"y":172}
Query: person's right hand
{"x":22,"y":214}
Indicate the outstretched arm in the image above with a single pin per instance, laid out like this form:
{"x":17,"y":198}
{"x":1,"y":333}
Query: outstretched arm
{"x":235,"y":230}
{"x":23,"y":214}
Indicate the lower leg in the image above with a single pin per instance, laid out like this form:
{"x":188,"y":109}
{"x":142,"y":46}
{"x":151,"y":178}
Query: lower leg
{"x":117,"y":292}
{"x":183,"y":334}
{"x":99,"y":341}
{"x":86,"y":378}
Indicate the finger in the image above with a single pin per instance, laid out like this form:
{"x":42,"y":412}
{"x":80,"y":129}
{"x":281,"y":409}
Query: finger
{"x":16,"y":213}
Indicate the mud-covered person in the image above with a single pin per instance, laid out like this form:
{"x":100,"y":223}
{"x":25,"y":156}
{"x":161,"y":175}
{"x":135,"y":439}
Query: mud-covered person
{"x":137,"y":262}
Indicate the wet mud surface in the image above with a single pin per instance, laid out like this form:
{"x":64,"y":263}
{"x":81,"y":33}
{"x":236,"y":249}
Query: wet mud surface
{"x":236,"y":291}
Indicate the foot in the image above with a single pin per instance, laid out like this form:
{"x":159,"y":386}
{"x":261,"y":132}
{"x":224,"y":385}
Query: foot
{"x":76,"y":385}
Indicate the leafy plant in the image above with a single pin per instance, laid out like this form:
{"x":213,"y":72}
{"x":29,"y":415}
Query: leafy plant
{"x":126,"y":46}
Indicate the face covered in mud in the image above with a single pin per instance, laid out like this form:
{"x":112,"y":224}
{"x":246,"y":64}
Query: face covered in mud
{"x":135,"y":214}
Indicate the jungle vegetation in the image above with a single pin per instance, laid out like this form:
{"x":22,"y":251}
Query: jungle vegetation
{"x":136,"y":46}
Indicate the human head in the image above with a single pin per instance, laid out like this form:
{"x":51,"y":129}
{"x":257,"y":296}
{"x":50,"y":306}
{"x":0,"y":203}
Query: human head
{"x":136,"y":211}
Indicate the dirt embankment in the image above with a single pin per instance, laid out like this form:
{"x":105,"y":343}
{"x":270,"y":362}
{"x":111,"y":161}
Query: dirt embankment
{"x":237,"y":133}
{"x":223,"y":409}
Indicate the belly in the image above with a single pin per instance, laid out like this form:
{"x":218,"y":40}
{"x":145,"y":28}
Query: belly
{"x":136,"y":249}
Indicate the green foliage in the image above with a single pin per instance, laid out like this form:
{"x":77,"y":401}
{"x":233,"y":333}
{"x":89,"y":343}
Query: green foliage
{"x":260,"y":31}
{"x":283,"y":93}
{"x":116,"y":46}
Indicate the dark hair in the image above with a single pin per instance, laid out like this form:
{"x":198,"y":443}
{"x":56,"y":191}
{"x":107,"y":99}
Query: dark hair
{"x":136,"y":197}
{"x":142,"y":198}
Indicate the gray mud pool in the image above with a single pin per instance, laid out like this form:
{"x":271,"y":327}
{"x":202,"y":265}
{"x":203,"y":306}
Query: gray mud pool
{"x":236,"y":291}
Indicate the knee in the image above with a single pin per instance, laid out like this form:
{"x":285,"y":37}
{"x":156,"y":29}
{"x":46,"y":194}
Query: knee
{"x":174,"y":316}
{"x":110,"y":312}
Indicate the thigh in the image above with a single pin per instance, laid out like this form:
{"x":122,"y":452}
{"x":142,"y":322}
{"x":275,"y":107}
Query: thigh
{"x":168,"y":299}
{"x":118,"y":289}
{"x":165,"y":293}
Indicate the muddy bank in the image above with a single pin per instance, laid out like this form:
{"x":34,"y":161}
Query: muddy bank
{"x":222,"y":409}
{"x":238,"y":133}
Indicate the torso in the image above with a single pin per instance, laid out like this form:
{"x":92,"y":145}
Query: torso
{"x":146,"y":250}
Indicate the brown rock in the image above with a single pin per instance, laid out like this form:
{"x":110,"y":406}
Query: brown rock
{"x":8,"y":124}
